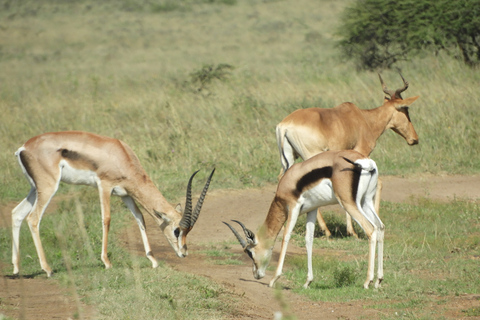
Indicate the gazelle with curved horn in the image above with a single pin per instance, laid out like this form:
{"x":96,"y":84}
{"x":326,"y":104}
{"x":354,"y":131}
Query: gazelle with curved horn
{"x":307,"y":132}
{"x":110,"y":165}
{"x":344,"y":177}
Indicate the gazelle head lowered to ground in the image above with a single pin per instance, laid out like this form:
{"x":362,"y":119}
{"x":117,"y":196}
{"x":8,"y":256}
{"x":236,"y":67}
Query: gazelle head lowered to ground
{"x":345,"y":177}
{"x":178,"y":224}
{"x":260,"y":253}
{"x":110,"y":165}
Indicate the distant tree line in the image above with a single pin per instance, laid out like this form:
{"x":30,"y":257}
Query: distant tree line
{"x":378,"y":33}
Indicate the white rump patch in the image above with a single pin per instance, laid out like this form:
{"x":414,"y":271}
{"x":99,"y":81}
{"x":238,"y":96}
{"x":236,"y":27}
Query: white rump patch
{"x":367,"y":164}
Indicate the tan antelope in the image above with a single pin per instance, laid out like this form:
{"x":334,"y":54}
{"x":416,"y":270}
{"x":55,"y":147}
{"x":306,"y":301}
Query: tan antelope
{"x":112,"y":167}
{"x":307,"y":132}
{"x":344,"y":177}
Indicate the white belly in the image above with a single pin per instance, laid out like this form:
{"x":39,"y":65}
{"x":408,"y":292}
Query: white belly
{"x":320,"y":195}
{"x":75,"y":176}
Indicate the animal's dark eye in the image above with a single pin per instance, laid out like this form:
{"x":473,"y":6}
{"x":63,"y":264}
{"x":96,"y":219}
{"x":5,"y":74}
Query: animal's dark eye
{"x":176,"y":232}
{"x":249,"y":254}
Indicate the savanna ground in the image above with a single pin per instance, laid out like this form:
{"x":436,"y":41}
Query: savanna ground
{"x":198,"y":84}
{"x":39,"y":298}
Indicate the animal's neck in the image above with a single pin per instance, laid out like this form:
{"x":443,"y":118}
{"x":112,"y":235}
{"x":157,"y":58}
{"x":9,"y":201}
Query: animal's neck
{"x":276,"y":217}
{"x":377,"y":120}
{"x":149,"y":197}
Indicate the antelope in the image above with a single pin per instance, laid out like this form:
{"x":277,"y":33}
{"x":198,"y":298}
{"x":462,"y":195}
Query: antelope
{"x":307,"y":132}
{"x":345,"y":177}
{"x":110,"y":165}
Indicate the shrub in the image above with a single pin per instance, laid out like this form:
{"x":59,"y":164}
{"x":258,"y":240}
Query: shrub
{"x":379,"y":33}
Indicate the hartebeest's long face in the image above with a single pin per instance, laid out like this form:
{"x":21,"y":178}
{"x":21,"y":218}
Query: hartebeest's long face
{"x":400,"y":122}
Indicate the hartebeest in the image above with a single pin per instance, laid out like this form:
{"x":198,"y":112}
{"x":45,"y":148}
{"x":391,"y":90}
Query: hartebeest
{"x":112,"y":167}
{"x":345,"y":177}
{"x":307,"y":132}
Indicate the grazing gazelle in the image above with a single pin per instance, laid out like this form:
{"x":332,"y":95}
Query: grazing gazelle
{"x":307,"y":132}
{"x":344,"y":177}
{"x":112,"y":167}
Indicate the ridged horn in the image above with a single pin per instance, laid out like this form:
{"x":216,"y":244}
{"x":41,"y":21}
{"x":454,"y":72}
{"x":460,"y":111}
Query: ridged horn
{"x":249,"y":234}
{"x":199,"y":205}
{"x":243,"y":243}
{"x":189,"y":218}
{"x":187,"y":213}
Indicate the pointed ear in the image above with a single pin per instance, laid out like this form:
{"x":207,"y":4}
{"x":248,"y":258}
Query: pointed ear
{"x":178,"y":208}
{"x":410,"y":100}
{"x":405,"y":102}
{"x":161,"y":215}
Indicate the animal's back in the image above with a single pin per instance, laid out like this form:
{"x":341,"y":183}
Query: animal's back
{"x":314,"y":130}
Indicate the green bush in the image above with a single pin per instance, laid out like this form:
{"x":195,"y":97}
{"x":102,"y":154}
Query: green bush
{"x":379,"y":33}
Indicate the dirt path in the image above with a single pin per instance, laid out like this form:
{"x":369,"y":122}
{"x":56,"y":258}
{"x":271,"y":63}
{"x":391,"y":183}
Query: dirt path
{"x":251,"y":206}
{"x":256,"y":300}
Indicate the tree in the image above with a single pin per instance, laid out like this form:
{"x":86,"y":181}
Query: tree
{"x":378,"y":33}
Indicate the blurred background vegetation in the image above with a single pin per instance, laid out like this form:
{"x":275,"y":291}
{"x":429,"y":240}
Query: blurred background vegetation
{"x":196,"y":84}
{"x":378,"y":33}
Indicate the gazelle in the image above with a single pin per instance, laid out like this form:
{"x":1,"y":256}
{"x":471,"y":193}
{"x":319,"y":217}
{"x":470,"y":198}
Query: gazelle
{"x":307,"y":132}
{"x":344,"y":177}
{"x":112,"y":167}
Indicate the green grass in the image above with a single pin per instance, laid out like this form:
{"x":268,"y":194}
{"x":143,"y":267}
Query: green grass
{"x":129,"y":69}
{"x":131,"y":289}
{"x":431,"y":251}
{"x":220,"y":254}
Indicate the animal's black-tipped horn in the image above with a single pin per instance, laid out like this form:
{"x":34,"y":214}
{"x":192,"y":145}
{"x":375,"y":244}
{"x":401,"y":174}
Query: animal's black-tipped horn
{"x":243,"y":243}
{"x":249,"y":234}
{"x":199,"y":205}
{"x":187,"y":213}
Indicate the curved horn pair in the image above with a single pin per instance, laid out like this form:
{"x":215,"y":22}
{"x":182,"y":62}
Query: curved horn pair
{"x":394,"y":94}
{"x":190,"y":217}
{"x":248,"y":234}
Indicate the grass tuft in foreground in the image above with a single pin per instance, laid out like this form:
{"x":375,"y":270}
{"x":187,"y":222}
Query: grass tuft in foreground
{"x":431,"y":254}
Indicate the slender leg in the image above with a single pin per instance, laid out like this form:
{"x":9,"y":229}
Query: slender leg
{"x":378,"y":196}
{"x":310,"y":228}
{"x":372,"y":241}
{"x":323,"y":225}
{"x":45,"y":191}
{"x":105,"y":206}
{"x":381,"y":233}
{"x":130,"y":203}
{"x":350,"y":230}
{"x":18,"y":215}
{"x":370,"y":231}
{"x":292,"y":220}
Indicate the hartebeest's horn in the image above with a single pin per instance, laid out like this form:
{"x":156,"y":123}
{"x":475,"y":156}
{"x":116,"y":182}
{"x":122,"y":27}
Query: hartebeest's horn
{"x":394,"y":94}
{"x":249,"y":234}
{"x":400,"y":90}
{"x":189,"y":218}
{"x":243,"y":243}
